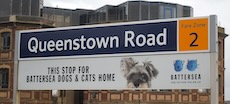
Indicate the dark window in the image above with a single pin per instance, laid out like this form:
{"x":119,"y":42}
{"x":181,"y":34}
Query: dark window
{"x":4,"y":78}
{"x":144,"y":10}
{"x":166,"y":90}
{"x":134,"y":11}
{"x":84,"y":19}
{"x":220,"y":87}
{"x":16,"y":7}
{"x":186,"y":11}
{"x":155,"y":90}
{"x":101,"y":17}
{"x":5,"y":40}
{"x":154,"y":11}
{"x":122,"y":13}
{"x":219,"y":51}
{"x":5,"y":7}
{"x":26,"y":7}
{"x":113,"y":14}
{"x":35,"y":6}
{"x":184,"y":90}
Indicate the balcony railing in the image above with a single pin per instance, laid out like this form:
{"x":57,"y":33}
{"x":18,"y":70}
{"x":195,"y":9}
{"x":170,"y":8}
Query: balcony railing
{"x":27,"y":19}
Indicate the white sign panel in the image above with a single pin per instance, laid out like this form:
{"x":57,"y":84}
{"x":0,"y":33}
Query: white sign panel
{"x":187,"y":71}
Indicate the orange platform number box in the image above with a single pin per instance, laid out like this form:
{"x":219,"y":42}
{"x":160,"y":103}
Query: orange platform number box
{"x":193,"y":35}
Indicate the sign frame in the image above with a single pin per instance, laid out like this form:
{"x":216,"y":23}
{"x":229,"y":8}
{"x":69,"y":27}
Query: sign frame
{"x":212,"y":49}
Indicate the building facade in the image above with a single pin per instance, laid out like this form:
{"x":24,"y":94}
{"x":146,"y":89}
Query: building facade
{"x":8,"y":27}
{"x":127,"y":11}
{"x":18,"y":15}
{"x":65,"y":17}
{"x":30,"y":14}
{"x":21,"y":7}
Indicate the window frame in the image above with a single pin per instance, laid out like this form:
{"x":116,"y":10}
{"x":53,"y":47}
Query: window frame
{"x":168,"y":11}
{"x":4,"y":81}
{"x":6,"y":40}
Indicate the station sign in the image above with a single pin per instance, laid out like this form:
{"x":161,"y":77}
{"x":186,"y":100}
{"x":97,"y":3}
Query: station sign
{"x":118,"y":39}
{"x":135,"y":37}
{"x":156,"y":54}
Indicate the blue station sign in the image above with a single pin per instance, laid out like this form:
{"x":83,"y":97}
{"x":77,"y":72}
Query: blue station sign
{"x":95,"y":40}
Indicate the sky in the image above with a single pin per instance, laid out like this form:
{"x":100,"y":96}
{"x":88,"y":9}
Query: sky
{"x":200,"y":8}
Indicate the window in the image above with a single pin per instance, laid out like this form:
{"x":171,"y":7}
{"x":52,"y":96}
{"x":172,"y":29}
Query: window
{"x":169,"y":12}
{"x":219,"y":84}
{"x":184,"y":90}
{"x":155,"y":90}
{"x":5,"y":38}
{"x":144,"y":11}
{"x":4,"y":78}
{"x":219,"y":51}
{"x":113,"y":14}
{"x":166,"y":90}
{"x":186,"y":12}
{"x":134,"y":11}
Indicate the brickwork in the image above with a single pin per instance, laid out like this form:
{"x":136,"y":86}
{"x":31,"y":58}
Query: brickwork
{"x":7,"y":62}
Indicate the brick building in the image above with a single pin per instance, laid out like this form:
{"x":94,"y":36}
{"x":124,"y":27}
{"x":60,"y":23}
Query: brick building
{"x":16,"y":17}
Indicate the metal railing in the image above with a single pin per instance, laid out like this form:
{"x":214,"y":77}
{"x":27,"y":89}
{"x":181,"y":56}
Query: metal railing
{"x":26,"y":19}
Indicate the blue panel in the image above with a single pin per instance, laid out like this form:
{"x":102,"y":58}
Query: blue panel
{"x":79,"y":37}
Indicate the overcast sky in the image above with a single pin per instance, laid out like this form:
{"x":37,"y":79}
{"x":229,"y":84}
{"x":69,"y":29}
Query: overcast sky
{"x":200,"y":7}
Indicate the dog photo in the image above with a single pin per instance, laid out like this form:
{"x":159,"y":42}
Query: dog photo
{"x":138,"y":75}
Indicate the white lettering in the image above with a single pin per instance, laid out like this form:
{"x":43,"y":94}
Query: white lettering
{"x":139,"y":38}
{"x":92,"y":45}
{"x":129,"y":35}
{"x":42,"y":47}
{"x":82,"y":42}
{"x":151,"y":40}
{"x":68,"y":43}
{"x":112,"y":39}
{"x":51,"y":45}
{"x":76,"y":45}
{"x":59,"y":45}
{"x":33,"y":48}
{"x":163,"y":35}
{"x":142,"y":40}
{"x":131,"y":40}
{"x":103,"y":42}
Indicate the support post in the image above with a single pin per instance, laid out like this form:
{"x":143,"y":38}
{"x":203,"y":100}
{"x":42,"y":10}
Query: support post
{"x":213,"y":31}
{"x":16,"y":93}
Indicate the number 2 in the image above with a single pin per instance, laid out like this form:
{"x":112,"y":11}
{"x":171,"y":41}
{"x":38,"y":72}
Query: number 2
{"x":193,"y":42}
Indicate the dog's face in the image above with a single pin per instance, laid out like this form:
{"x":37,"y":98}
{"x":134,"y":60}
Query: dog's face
{"x":138,"y":76}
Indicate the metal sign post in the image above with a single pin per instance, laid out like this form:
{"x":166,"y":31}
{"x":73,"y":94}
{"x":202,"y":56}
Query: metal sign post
{"x":214,"y":60}
{"x":16,"y":93}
